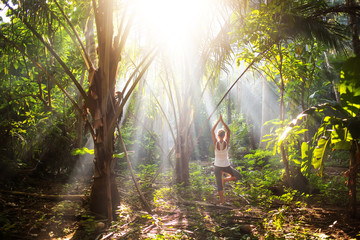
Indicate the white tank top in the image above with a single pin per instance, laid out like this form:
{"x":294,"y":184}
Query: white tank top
{"x":221,"y":156}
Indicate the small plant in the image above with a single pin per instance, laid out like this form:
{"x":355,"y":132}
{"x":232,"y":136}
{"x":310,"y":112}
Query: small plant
{"x":88,"y":223}
{"x":240,"y":140}
{"x":259,"y":159}
{"x":332,"y":189}
{"x":162,"y":197}
{"x":65,"y":207}
{"x":278,"y":217}
{"x":256,"y":185}
{"x":124,"y":213}
{"x":168,"y":236}
{"x":200,"y":181}
{"x":146,"y":174}
{"x":5,"y":223}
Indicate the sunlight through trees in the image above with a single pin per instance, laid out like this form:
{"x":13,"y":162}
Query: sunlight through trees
{"x":111,"y":102}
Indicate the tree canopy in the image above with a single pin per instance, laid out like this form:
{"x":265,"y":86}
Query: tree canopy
{"x":106,"y":91}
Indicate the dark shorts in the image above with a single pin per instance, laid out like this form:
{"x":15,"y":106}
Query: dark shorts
{"x":230,"y":170}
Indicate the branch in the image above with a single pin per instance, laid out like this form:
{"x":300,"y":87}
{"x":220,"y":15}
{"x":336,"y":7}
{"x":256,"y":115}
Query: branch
{"x":158,"y":103}
{"x":123,"y":102}
{"x":42,"y":69}
{"x":84,"y":53}
{"x":120,"y":45}
{"x":146,"y":204}
{"x":77,"y":107}
{"x":257,"y":58}
{"x":162,"y":150}
{"x":97,"y":20}
{"x":63,"y":65}
{"x":161,"y":165}
{"x":204,"y":204}
{"x":164,"y":114}
{"x":170,"y":95}
{"x":212,"y":76}
{"x":46,"y":196}
{"x":150,"y":133}
{"x":136,"y":70}
{"x":338,"y":9}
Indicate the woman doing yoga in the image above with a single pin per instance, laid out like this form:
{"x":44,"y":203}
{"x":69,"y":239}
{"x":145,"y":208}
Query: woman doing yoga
{"x":222,"y":163}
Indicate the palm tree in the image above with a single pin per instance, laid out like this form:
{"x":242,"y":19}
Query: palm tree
{"x":102,"y":108}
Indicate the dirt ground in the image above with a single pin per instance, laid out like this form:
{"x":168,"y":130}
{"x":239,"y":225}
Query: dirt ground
{"x":25,"y":216}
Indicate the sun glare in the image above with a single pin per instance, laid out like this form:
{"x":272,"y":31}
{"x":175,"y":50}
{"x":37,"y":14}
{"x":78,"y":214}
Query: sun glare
{"x":173,"y":23}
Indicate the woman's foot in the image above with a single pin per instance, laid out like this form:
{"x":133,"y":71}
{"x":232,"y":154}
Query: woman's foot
{"x":227,"y":179}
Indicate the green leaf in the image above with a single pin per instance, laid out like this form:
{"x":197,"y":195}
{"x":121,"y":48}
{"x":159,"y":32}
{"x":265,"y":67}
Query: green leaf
{"x":306,"y":155}
{"x":319,"y":153}
{"x":119,"y":155}
{"x":342,"y":145}
{"x":304,"y":150}
{"x":350,"y":85}
{"x":82,"y":151}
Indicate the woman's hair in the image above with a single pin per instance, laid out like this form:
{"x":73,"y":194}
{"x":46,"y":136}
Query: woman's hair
{"x":221,"y":133}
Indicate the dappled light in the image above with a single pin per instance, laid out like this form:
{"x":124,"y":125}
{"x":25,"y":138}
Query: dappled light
{"x":169,"y":119}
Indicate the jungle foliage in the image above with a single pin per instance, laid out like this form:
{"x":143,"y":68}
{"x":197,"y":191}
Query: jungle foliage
{"x":62,"y":112}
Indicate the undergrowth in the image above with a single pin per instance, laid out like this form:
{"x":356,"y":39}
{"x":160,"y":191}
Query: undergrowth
{"x":281,"y":211}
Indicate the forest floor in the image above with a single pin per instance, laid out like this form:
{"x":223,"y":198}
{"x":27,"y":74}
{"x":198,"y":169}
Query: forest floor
{"x":177,"y":213}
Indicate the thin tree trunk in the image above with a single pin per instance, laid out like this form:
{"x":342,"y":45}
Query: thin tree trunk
{"x":80,"y":117}
{"x":90,"y":39}
{"x":282,"y":118}
{"x":182,"y":159}
{"x":143,"y":199}
{"x":353,"y":21}
{"x":353,"y":170}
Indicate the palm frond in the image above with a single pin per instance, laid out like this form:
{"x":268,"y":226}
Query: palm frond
{"x":330,"y":33}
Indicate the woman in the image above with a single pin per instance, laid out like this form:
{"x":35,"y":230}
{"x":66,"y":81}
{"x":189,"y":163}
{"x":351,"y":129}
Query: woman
{"x":222,"y":162}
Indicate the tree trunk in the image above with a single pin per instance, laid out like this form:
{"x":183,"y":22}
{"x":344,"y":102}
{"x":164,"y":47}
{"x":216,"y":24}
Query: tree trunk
{"x":102,"y":106}
{"x":99,"y":197}
{"x":282,"y":118}
{"x":353,"y":22}
{"x":90,"y":39}
{"x":353,"y":170}
{"x":268,"y":110}
{"x":104,"y":196}
{"x":282,"y":147}
{"x":80,"y":122}
{"x":183,"y":147}
{"x":182,"y":162}
{"x":104,"y":193}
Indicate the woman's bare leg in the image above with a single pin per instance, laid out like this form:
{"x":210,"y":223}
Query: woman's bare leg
{"x":221,"y":195}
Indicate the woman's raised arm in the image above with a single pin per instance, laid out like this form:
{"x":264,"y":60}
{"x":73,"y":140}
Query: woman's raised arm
{"x":213,"y":135}
{"x":227,"y":130}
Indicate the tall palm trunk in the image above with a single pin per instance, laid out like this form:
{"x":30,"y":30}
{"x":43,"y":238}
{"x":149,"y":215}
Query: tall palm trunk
{"x":104,"y":194}
{"x":182,"y":151}
{"x":182,"y":173}
{"x":103,"y":199}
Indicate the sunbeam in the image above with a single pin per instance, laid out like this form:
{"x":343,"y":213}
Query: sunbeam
{"x":172,"y":23}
